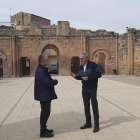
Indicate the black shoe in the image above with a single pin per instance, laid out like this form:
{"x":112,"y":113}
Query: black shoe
{"x":96,"y":129}
{"x":49,"y":131}
{"x":46,"y":135}
{"x":85,"y":126}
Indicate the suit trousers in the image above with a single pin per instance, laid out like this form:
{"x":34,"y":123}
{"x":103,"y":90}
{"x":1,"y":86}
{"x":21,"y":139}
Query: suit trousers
{"x":44,"y":115}
{"x":91,"y":94}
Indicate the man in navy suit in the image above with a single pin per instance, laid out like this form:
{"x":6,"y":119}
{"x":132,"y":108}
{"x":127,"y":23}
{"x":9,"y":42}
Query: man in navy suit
{"x":45,"y":93}
{"x":89,"y":74}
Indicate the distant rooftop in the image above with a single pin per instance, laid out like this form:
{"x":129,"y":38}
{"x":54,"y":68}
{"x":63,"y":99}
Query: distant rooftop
{"x":31,"y":14}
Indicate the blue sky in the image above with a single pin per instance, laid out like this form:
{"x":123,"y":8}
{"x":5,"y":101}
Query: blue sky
{"x":111,"y":15}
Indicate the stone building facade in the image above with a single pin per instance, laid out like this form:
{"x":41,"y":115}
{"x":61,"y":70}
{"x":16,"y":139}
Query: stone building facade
{"x":22,"y":18}
{"x":20,"y":48}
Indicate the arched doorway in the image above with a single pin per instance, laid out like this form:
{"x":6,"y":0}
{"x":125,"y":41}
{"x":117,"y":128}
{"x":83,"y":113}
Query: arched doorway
{"x":101,"y":62}
{"x":1,"y":67}
{"x":53,"y":55}
{"x":75,"y":63}
{"x":102,"y":57}
{"x":3,"y":61}
{"x":25,"y":66}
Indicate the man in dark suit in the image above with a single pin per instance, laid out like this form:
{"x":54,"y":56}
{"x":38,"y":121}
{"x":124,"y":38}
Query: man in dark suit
{"x":45,"y":93}
{"x":89,"y":74}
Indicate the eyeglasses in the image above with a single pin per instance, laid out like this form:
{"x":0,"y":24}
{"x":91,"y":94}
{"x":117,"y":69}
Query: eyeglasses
{"x":81,"y":58}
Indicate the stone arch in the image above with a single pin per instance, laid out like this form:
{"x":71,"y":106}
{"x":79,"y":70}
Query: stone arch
{"x":53,"y":47}
{"x":102,"y":50}
{"x":3,"y":54}
{"x":95,"y":58}
{"x":4,"y":64}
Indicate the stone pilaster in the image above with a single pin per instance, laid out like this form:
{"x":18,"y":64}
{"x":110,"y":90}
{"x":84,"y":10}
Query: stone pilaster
{"x":117,"y":46}
{"x":13,"y":45}
{"x":11,"y":54}
{"x":83,"y":44}
{"x":17,"y":57}
{"x":130,"y":54}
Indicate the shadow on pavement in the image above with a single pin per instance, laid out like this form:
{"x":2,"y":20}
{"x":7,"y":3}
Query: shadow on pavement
{"x":61,"y":124}
{"x":116,"y":121}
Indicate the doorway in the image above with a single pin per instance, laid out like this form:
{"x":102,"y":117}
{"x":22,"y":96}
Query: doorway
{"x":75,"y":63}
{"x":101,"y":62}
{"x":52,"y":65}
{"x":25,"y":66}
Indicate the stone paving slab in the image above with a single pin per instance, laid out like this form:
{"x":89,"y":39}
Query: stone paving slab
{"x":125,"y":79}
{"x":119,"y":108}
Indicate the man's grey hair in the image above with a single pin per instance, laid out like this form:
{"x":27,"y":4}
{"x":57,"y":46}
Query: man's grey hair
{"x":84,"y":54}
{"x":42,"y":57}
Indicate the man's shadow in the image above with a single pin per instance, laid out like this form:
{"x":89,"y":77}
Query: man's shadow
{"x":81,"y":121}
{"x":69,"y":122}
{"x":116,"y":121}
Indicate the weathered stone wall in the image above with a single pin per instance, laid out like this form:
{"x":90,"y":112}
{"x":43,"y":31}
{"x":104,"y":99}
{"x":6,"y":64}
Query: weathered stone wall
{"x":108,"y":47}
{"x":12,"y":32}
{"x":137,"y":54}
{"x":26,"y":18}
{"x":123,"y":55}
{"x":101,"y":32}
{"x":101,"y":63}
{"x":71,"y":47}
{"x":29,"y":47}
{"x":137,"y":60}
{"x":17,"y":17}
{"x":73,"y":32}
{"x":43,"y":21}
{"x":5,"y":54}
{"x":32,"y":47}
{"x":63,"y":28}
{"x":49,"y":30}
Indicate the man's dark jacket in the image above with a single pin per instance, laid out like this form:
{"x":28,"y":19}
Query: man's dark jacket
{"x":44,"y":85}
{"x":92,"y":72}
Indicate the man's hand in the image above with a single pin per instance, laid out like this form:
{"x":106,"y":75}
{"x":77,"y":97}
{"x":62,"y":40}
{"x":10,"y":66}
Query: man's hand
{"x":73,"y":75}
{"x":85,"y":78}
{"x":56,"y":82}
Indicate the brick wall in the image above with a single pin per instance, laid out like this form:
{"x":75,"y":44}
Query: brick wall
{"x":137,"y":54}
{"x":17,"y":17}
{"x":27,"y":19}
{"x":6,"y":57}
{"x":102,"y":32}
{"x":31,"y":44}
{"x":49,"y":30}
{"x":123,"y":55}
{"x":12,"y":32}
{"x":106,"y":44}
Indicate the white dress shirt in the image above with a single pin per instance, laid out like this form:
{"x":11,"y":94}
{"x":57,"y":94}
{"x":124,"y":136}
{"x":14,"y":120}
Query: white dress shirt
{"x":85,"y":67}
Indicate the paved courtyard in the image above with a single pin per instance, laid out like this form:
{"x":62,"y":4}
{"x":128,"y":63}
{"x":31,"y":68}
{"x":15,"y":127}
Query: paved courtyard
{"x":119,"y":108}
